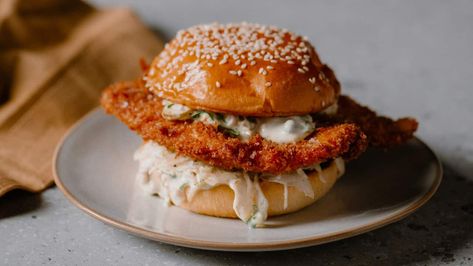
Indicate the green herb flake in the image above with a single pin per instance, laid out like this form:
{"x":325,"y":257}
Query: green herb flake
{"x":229,"y":131}
{"x":212,"y":116}
{"x":183,"y":186}
{"x":169,"y":105}
{"x":251,"y":119}
{"x":170,"y":175}
{"x":220,"y":117}
{"x":251,"y":220}
{"x":196,"y":114}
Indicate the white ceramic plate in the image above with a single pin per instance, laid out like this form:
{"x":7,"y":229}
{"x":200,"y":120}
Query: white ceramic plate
{"x":93,"y":166}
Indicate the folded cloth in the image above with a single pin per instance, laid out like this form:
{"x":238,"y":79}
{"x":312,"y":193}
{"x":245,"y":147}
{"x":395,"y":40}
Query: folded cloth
{"x":55,"y":58}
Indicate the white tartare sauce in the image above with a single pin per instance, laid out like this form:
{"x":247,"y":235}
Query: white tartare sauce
{"x":278,"y":129}
{"x":297,"y":179}
{"x":286,"y":129}
{"x":245,"y":128}
{"x":174,"y":111}
{"x":177,"y":179}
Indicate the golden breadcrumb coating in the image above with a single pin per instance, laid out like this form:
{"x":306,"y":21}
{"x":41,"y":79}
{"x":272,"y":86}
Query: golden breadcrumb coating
{"x":133,"y":104}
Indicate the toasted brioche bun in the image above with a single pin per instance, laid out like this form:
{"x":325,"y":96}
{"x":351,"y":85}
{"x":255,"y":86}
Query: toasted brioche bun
{"x":244,"y":69}
{"x":219,"y":200}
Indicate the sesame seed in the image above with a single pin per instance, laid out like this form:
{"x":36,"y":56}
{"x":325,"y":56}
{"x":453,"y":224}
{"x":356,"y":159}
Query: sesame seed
{"x":305,"y":68}
{"x":322,"y":76}
{"x":218,"y":84}
{"x":300,"y":70}
{"x":232,"y":72}
{"x":290,"y":62}
{"x":243,"y":66}
{"x":253,"y":63}
{"x":317,"y":89}
{"x":209,"y":64}
{"x":237,"y":62}
{"x":270,"y":67}
{"x":312,"y":80}
{"x":239,"y":73}
{"x":267,"y":84}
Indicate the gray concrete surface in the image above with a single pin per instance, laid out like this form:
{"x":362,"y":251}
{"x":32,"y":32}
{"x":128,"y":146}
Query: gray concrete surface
{"x":402,"y":58}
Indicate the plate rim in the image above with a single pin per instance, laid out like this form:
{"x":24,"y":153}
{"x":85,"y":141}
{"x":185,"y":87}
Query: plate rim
{"x":231,"y":246}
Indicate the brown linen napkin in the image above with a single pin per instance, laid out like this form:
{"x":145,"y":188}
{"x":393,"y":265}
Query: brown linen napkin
{"x":55,"y":58}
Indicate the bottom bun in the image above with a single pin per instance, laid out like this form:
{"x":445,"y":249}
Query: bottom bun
{"x":218,"y":201}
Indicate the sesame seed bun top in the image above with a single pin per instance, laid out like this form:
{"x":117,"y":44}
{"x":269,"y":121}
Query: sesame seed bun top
{"x":245,"y":69}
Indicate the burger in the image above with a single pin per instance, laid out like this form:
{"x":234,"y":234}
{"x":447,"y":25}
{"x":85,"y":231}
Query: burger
{"x":244,"y":121}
